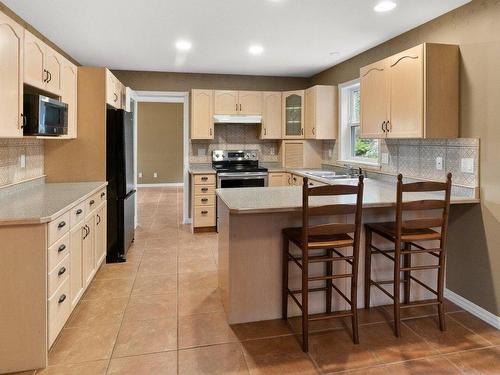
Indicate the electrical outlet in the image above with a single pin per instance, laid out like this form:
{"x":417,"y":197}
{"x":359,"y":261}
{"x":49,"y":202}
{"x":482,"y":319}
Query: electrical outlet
{"x":330,"y":153}
{"x":467,"y":165}
{"x":439,"y":163}
{"x":384,"y":158}
{"x":155,"y":175}
{"x":22,"y":160}
{"x":140,"y":175}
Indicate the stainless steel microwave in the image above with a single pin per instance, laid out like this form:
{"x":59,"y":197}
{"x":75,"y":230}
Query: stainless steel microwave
{"x":44,"y":116}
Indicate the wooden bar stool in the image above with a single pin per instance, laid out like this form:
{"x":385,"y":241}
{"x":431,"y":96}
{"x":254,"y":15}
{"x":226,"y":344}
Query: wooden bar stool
{"x":326,"y":238}
{"x":405,"y":234}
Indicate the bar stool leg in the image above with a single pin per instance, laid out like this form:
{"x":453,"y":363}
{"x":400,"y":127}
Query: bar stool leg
{"x":442,"y":262}
{"x":284,"y":299}
{"x":354,"y":296}
{"x":329,"y":272}
{"x":305,"y":302}
{"x":368,"y":261}
{"x":397,"y":289}
{"x":407,"y":280}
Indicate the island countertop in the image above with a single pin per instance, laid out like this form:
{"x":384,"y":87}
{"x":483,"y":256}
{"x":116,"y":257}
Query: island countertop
{"x":44,"y":202}
{"x":289,"y":198}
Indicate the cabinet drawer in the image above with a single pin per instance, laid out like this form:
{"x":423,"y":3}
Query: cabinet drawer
{"x":58,"y":228}
{"x":58,"y":275}
{"x":92,"y":203}
{"x":59,"y":310}
{"x":204,"y":179}
{"x":204,"y":216}
{"x":77,"y":214}
{"x":204,"y":200}
{"x":204,"y":189}
{"x":101,"y":196}
{"x":314,"y":183}
{"x":58,"y":251}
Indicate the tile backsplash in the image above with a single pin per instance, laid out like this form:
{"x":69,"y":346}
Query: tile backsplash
{"x":234,"y":137}
{"x":10,"y":155}
{"x":417,"y":158}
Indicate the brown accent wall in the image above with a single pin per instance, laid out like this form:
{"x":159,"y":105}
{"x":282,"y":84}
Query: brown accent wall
{"x":159,"y":142}
{"x":474,"y":237}
{"x":164,"y":81}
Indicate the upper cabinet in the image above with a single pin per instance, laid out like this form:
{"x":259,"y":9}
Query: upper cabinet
{"x":113,"y":90}
{"x":413,"y":94}
{"x":202,"y":116}
{"x":42,"y":65}
{"x":69,"y":81}
{"x":11,"y":77}
{"x":320,"y":120}
{"x":293,"y":114}
{"x":228,"y":102}
{"x":271,"y":115}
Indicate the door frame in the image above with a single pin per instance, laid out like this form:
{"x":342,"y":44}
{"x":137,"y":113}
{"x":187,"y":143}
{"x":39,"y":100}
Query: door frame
{"x":169,"y":97}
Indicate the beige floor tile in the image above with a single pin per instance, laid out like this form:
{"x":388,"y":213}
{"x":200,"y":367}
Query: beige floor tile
{"x":455,"y":338}
{"x":200,"y":300}
{"x":204,"y":329}
{"x":84,"y":344}
{"x":156,"y":284}
{"x":483,"y":329}
{"x":426,"y":366}
{"x":224,"y":359}
{"x":160,"y":363}
{"x":98,"y":312}
{"x":86,"y":368}
{"x":158,"y":306}
{"x":484,"y":361}
{"x":262,"y":329}
{"x":201,"y":264}
{"x":155,"y":267}
{"x":191,"y":280}
{"x":126,"y":270}
{"x":190,"y":252}
{"x":113,"y":288}
{"x":146,"y":336}
{"x":281,"y":355}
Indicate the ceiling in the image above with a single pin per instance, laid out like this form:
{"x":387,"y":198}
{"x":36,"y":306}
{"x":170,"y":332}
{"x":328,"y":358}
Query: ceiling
{"x":300,"y":37}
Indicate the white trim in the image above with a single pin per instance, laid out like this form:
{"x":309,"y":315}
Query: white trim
{"x":166,"y":184}
{"x":474,"y":309}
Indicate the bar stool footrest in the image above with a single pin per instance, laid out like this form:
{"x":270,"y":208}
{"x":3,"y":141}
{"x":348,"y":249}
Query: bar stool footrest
{"x":333,"y":315}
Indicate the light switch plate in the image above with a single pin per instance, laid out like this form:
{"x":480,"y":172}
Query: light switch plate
{"x":439,"y":163}
{"x":22,"y":160}
{"x":155,"y":175}
{"x":140,"y":175}
{"x":467,"y":165}
{"x":384,"y":159}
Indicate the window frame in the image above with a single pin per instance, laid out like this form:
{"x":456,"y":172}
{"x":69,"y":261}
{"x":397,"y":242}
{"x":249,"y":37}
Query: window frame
{"x":346,"y":127}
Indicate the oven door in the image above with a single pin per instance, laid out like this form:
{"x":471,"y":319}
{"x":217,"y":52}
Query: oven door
{"x":53,"y":117}
{"x":241,"y":179}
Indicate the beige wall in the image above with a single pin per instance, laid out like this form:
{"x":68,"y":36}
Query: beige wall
{"x":474,"y":240}
{"x":159,"y":142}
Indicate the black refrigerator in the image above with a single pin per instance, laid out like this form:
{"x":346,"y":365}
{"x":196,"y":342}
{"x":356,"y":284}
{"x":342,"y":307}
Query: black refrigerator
{"x":121,"y":187}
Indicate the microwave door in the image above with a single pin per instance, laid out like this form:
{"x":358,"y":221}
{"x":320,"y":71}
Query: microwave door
{"x":54,"y":119}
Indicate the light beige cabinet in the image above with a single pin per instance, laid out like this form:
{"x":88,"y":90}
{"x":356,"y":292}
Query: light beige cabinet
{"x":11,"y":77}
{"x":278,"y":179}
{"x":113,"y":90}
{"x":293,"y":114}
{"x":227,"y":102}
{"x":203,"y":209}
{"x":271,"y":115}
{"x":202,"y":116}
{"x":320,"y":118}
{"x":100,"y":234}
{"x":69,"y":89}
{"x":413,"y":94}
{"x":88,"y":250}
{"x":77,"y":286}
{"x":250,"y":102}
{"x":300,"y":154}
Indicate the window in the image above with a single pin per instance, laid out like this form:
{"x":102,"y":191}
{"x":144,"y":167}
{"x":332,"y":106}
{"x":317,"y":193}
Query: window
{"x":352,"y":147}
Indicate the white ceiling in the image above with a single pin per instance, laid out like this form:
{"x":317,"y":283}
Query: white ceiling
{"x":298,"y":35}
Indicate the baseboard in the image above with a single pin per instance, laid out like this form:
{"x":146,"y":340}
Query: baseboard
{"x":187,"y":221}
{"x":474,"y":309}
{"x":175,"y":184}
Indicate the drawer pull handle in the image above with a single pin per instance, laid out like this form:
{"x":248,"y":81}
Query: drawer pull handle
{"x":91,"y":202}
{"x":62,"y":224}
{"x":62,"y":298}
{"x":204,"y":178}
{"x":61,"y":271}
{"x":79,"y":211}
{"x":204,"y":212}
{"x":103,"y":194}
{"x":204,"y":199}
{"x":61,"y":248}
{"x":204,"y":189}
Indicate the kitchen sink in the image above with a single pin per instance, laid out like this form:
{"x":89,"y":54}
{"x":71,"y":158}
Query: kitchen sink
{"x":330,"y":175}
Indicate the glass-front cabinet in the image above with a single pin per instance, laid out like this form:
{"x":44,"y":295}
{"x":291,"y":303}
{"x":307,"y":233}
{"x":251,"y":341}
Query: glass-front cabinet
{"x":293,"y":114}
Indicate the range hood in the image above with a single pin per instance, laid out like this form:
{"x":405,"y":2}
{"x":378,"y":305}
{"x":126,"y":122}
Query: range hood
{"x":237,"y":119}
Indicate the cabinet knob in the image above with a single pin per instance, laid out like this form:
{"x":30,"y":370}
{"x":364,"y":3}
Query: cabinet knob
{"x":204,"y":189}
{"x":79,"y":211}
{"x":61,"y":271}
{"x":204,"y":178}
{"x":210,"y":131}
{"x":204,"y":212}
{"x":91,"y":202}
{"x":62,"y":224}
{"x":61,"y":248}
{"x":383,"y":126}
{"x":62,"y":298}
{"x":388,"y":126}
{"x":103,"y":194}
{"x":204,"y":199}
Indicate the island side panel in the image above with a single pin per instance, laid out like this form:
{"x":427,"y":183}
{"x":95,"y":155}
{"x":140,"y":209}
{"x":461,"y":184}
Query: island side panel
{"x":23,"y":296}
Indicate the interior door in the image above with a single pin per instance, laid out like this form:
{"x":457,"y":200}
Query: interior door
{"x":226,"y":102}
{"x":250,"y":102}
{"x":374,"y":99}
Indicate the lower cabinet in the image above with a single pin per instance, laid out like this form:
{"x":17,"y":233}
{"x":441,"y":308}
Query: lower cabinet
{"x":76,"y":278}
{"x":278,"y":179}
{"x":100,"y":234}
{"x":203,"y":207}
{"x":88,"y":250}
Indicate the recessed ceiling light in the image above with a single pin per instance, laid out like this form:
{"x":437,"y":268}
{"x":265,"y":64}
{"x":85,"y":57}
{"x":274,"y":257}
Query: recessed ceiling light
{"x":256,"y":49}
{"x":385,"y":6}
{"x":183,"y":45}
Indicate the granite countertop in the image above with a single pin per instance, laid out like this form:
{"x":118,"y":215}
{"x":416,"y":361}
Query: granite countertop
{"x":201,"y":169}
{"x":44,"y":202}
{"x":289,"y":198}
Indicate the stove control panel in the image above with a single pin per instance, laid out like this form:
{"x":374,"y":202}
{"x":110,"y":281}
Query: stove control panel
{"x":235,"y":155}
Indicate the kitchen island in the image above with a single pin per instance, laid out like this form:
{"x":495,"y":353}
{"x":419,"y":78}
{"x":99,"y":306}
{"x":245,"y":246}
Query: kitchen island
{"x":250,"y":222}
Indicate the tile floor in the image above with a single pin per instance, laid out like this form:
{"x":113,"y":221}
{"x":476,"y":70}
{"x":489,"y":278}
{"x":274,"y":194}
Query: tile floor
{"x":161,"y":313}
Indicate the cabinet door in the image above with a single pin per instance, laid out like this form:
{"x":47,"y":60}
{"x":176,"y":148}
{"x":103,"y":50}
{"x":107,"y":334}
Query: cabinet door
{"x":112,"y":90}
{"x":293,"y":154}
{"x":293,"y":114}
{"x":271,"y":115}
{"x":53,"y":67}
{"x":89,"y":250}
{"x":250,"y":102}
{"x":69,"y":80}
{"x":76,"y":266}
{"x":310,"y":113}
{"x":11,"y":77}
{"x":407,"y":94}
{"x":297,"y":180}
{"x":202,"y":119}
{"x":275,"y":179}
{"x":226,"y":102}
{"x":100,"y":235}
{"x":374,"y":99}
{"x":34,"y":61}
